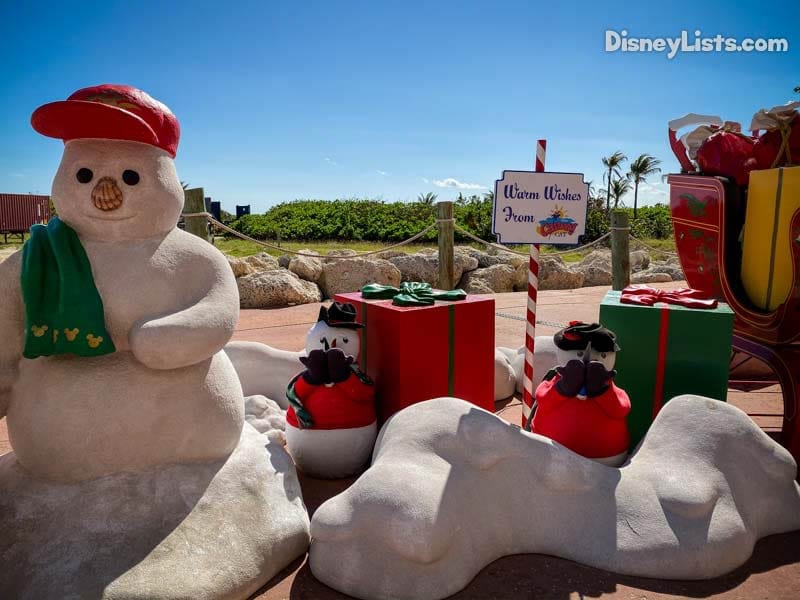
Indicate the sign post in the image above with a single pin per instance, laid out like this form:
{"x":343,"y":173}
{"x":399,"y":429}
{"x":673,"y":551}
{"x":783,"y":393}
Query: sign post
{"x":537,"y":207}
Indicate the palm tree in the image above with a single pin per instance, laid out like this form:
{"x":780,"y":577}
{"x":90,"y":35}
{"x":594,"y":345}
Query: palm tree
{"x":612,"y":163}
{"x":428,"y":198}
{"x":618,"y":188}
{"x":641,"y":168}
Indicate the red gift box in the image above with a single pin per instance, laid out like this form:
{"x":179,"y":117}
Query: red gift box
{"x":415,"y":353}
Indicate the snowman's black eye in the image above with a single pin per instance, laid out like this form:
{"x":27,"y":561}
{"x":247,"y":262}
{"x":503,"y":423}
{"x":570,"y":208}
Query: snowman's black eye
{"x":130,"y":177}
{"x":84,"y":175}
{"x":603,"y":354}
{"x":580,"y":353}
{"x":345,"y":340}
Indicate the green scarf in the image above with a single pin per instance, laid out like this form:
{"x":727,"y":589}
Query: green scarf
{"x":410,"y":293}
{"x":63,"y":310}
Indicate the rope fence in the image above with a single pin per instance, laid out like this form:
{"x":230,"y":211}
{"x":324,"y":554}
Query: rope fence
{"x":240,"y":235}
{"x":221,"y":226}
{"x":653,"y":248}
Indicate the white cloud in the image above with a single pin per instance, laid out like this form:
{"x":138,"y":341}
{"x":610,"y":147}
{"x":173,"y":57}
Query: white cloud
{"x":379,"y":172}
{"x":652,"y":193}
{"x":17,"y":174}
{"x":455,"y":183}
{"x":330,"y":161}
{"x":425,"y":179}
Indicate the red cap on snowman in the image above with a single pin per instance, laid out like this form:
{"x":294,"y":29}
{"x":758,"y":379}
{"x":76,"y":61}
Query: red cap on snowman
{"x":110,"y":112}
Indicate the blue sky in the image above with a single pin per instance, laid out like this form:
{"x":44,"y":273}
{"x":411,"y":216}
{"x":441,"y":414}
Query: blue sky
{"x":285,"y":100}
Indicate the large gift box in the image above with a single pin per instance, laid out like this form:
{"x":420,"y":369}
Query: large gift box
{"x":415,"y":353}
{"x":671,"y":342}
{"x":767,"y":268}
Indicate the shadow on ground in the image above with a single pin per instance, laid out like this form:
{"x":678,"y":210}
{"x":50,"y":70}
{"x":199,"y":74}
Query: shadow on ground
{"x":529,"y":576}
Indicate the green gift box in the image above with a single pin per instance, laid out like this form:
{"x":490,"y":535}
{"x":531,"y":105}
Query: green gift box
{"x":667,"y":350}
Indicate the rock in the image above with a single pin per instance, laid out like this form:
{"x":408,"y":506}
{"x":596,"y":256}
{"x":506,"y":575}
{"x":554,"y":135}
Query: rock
{"x":262,"y":262}
{"x":418,"y":267}
{"x":206,"y":530}
{"x":465,"y":255}
{"x":599,"y":257}
{"x":475,"y":286}
{"x":594,"y":273}
{"x":703,"y":487}
{"x":521,"y":278}
{"x":306,"y":267}
{"x":240,"y":266}
{"x":674,"y":271}
{"x":498,"y":258}
{"x":339,"y":252}
{"x":284,"y":260}
{"x":555,"y":275}
{"x":650,"y":276}
{"x":425,"y":267}
{"x":498,"y":278}
{"x":640,"y":260}
{"x":386,"y":255}
{"x":341,"y":276}
{"x":276,"y":289}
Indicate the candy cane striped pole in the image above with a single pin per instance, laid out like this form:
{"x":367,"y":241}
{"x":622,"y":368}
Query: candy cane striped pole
{"x":533,"y":290}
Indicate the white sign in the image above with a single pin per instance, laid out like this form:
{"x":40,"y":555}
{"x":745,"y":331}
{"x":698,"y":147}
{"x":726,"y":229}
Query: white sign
{"x":540,"y":208}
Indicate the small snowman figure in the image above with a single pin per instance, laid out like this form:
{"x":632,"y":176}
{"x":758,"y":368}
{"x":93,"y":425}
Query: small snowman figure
{"x":331,"y":423}
{"x":577,"y":404}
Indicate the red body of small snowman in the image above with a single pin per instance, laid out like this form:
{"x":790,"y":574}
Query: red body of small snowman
{"x":578,"y":404}
{"x":331,"y":424}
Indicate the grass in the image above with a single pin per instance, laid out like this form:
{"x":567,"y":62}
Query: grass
{"x":236,"y":247}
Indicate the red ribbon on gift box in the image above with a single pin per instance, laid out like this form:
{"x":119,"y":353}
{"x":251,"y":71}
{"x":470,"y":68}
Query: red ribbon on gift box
{"x":645,"y":295}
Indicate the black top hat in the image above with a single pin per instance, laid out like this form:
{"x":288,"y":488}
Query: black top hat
{"x":578,"y":335}
{"x":339,"y":314}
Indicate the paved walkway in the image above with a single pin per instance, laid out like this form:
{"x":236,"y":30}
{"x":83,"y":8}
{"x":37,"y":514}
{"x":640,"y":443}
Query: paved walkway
{"x":772,"y":573}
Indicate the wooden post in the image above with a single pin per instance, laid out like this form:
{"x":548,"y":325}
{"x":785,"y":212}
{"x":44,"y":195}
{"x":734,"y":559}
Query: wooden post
{"x":278,"y":237}
{"x":446,"y":239}
{"x":620,"y":250}
{"x":194,"y":202}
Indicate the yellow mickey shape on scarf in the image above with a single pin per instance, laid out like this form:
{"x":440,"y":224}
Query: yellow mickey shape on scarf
{"x":55,"y":335}
{"x":71,"y":334}
{"x":93,"y":341}
{"x":39,"y":331}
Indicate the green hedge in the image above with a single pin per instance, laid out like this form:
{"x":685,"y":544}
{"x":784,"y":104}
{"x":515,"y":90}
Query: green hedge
{"x":375,"y":220}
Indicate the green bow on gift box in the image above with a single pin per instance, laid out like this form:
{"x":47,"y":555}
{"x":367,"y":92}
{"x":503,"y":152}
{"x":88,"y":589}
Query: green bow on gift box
{"x":410,"y":293}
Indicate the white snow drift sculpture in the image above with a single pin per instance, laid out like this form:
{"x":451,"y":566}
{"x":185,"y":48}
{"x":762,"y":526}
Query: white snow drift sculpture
{"x":453,"y":488}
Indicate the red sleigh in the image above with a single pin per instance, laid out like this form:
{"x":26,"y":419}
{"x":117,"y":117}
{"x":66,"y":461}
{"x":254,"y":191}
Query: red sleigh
{"x":707,"y":215}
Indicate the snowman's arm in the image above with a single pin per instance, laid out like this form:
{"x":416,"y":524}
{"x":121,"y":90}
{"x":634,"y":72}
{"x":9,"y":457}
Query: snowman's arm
{"x":12,"y":325}
{"x":198,"y":331}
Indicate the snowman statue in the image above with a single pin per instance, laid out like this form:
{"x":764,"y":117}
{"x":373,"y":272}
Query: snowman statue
{"x":125,"y":416}
{"x":331,"y":423}
{"x":577,"y":404}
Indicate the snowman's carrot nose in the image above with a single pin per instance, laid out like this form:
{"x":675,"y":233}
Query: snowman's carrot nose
{"x":106,"y":195}
{"x":333,"y":345}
